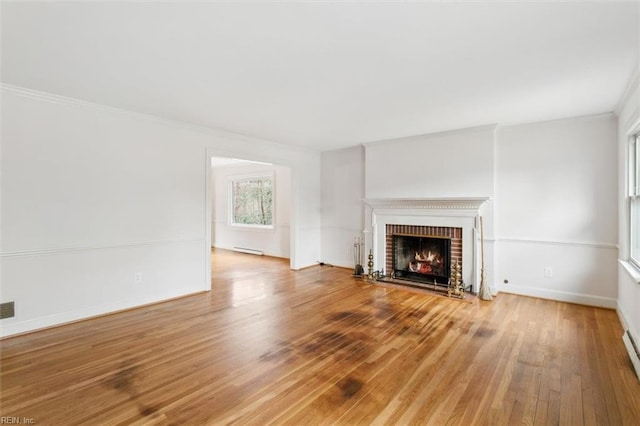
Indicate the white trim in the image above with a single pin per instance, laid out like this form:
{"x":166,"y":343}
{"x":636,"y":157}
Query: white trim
{"x":71,"y":249}
{"x":596,"y":116}
{"x":634,"y":272}
{"x":561,"y":296}
{"x":634,"y":81}
{"x":208,"y":214}
{"x":342,"y":228}
{"x":634,"y":127}
{"x":443,"y":133}
{"x":454,"y":203}
{"x":16,"y":327}
{"x":92,"y":106}
{"x":518,"y":240}
{"x":265,"y":253}
{"x":633,"y":192}
{"x":622,"y":316}
{"x":252,"y":228}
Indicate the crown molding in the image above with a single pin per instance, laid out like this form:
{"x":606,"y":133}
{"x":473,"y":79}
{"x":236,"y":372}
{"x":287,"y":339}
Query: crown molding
{"x":631,"y":87}
{"x":93,"y":106}
{"x":488,"y":128}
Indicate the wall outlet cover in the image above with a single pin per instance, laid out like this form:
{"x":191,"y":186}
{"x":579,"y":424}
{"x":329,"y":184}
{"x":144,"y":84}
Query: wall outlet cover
{"x":7,"y":310}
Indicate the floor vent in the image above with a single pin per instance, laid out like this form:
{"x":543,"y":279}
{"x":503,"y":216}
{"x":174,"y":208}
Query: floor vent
{"x":248,"y":251}
{"x":632,"y":349}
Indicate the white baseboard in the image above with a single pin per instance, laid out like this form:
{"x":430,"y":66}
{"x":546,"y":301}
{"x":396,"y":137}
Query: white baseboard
{"x":622,"y":316}
{"x":339,"y":262}
{"x":561,"y":296}
{"x":250,"y":251}
{"x":62,"y":318}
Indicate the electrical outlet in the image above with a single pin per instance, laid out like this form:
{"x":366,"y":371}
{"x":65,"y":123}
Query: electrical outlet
{"x":7,"y":310}
{"x":137,"y":277}
{"x":548,"y":271}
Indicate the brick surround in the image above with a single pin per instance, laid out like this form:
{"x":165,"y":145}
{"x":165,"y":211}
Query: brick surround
{"x":423,"y":231}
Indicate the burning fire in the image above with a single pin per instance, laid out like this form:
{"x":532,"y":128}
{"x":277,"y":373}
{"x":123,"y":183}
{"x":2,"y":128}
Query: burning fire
{"x":428,"y":258}
{"x":426,"y":263}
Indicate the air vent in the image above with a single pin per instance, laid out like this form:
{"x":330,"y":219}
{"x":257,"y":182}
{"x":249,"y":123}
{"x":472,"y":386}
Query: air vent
{"x":7,"y":310}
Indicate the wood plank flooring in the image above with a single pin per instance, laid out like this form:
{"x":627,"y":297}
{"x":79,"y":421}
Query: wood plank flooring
{"x":272,"y":346}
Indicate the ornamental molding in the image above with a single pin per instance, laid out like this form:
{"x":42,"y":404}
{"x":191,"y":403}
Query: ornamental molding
{"x":461,"y":203}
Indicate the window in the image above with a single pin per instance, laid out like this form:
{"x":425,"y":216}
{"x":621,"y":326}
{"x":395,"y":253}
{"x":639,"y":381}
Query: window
{"x":252,"y":201}
{"x":634,"y":200}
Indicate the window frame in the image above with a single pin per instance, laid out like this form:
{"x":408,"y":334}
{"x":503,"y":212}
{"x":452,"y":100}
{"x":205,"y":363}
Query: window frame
{"x":634,"y":197}
{"x":231,"y":199}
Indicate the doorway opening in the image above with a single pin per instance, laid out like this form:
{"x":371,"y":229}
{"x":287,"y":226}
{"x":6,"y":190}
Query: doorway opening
{"x":249,"y":209}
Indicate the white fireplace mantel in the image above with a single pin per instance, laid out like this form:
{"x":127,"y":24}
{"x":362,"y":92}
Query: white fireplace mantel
{"x":462,"y":212}
{"x":453,"y":203}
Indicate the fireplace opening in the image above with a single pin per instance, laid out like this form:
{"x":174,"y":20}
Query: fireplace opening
{"x":424,"y":259}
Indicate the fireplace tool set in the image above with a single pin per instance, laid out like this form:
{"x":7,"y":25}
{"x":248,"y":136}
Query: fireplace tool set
{"x":455,"y":286}
{"x":358,"y":270}
{"x":371,"y":274}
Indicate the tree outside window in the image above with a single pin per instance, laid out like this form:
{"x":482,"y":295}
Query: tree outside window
{"x":252,"y":201}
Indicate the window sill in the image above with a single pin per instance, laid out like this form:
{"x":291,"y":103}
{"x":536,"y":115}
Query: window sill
{"x":246,"y":227}
{"x":631,"y":269}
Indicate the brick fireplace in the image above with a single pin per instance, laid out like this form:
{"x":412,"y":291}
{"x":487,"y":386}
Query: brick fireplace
{"x":422,"y":253}
{"x":455,"y":220}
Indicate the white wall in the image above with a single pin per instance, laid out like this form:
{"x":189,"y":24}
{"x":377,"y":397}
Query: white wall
{"x":306,"y":214}
{"x":459,"y":163}
{"x":556,"y":207}
{"x":92,"y":195}
{"x":342,"y":207}
{"x":628,"y":278}
{"x":273,"y":242}
{"x":454,"y":164}
{"x":552,"y":185}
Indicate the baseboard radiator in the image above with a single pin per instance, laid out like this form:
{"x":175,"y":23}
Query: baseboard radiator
{"x":248,"y":251}
{"x":632,"y":349}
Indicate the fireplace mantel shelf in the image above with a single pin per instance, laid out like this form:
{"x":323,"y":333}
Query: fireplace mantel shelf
{"x":458,"y":203}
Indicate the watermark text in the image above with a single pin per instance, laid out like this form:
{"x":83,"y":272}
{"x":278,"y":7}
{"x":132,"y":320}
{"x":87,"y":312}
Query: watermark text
{"x":11,"y":420}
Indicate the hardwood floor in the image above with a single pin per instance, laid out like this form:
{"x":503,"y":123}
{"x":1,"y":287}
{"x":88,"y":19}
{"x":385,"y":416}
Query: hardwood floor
{"x":272,"y":346}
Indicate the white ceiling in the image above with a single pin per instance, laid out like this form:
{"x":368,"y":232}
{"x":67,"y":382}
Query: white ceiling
{"x":328,"y":75}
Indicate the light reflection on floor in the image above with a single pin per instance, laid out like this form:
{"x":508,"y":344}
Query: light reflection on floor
{"x":247,"y":291}
{"x":243,"y":279}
